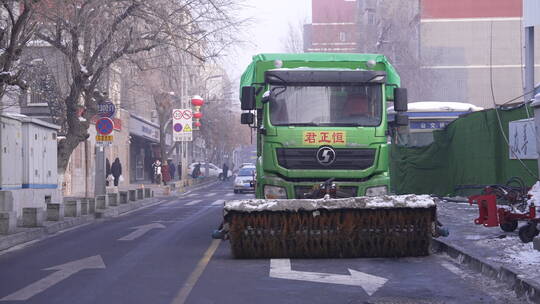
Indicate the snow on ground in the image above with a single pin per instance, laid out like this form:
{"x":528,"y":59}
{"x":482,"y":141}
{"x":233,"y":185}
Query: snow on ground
{"x":513,"y":252}
{"x":364,"y":202}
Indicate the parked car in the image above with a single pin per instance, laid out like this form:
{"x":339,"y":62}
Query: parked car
{"x":246,"y":165}
{"x":213,"y":170}
{"x":245,"y":180}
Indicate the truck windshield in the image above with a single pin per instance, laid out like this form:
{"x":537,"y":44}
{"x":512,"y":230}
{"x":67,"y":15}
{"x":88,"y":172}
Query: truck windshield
{"x":355,"y":105}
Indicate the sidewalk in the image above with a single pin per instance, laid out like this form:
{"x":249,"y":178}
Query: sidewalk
{"x":23,"y":235}
{"x":491,"y":251}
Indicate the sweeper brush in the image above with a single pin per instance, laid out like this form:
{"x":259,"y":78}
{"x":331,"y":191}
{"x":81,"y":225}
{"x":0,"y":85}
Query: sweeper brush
{"x":387,"y":226}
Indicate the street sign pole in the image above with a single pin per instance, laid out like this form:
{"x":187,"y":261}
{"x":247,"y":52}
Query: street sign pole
{"x":104,"y":129}
{"x":100,"y":187}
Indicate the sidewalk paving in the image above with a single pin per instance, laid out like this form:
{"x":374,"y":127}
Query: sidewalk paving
{"x":491,"y":251}
{"x":23,"y":235}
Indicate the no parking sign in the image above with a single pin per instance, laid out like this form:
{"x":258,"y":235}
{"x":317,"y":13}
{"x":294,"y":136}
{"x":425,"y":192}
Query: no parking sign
{"x":182,"y":124}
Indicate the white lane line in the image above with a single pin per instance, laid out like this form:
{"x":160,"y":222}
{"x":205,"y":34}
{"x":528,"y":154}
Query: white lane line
{"x":218,"y":203}
{"x":175,"y":202}
{"x":229,"y":194}
{"x":210,"y":194}
{"x":193,"y":202}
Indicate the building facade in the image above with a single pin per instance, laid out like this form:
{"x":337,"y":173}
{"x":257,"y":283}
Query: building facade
{"x":444,"y":50}
{"x":334,"y":27}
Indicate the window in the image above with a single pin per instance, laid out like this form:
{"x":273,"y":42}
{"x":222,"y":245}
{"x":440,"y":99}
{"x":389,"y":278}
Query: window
{"x":371,"y":18}
{"x":342,"y":36}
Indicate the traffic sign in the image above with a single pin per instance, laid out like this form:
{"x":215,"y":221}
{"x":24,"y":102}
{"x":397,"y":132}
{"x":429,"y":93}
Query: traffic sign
{"x":182,"y":124}
{"x":104,"y":138}
{"x":106,"y":109}
{"x":104,"y":126}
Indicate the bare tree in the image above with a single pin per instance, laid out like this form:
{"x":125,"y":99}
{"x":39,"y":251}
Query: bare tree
{"x":294,"y":40}
{"x":92,"y":35}
{"x":95,"y":34}
{"x":392,"y":28}
{"x":17,"y":26}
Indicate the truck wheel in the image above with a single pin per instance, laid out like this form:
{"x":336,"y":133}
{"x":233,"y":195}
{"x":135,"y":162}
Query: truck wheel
{"x":509,"y":226}
{"x":527,"y":233}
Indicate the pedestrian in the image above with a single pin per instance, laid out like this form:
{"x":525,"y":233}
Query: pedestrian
{"x":196,"y":171}
{"x":116,"y":171}
{"x":225,"y":171}
{"x":156,"y":169}
{"x":107,"y":171}
{"x":172,"y":168}
{"x":166,"y":176}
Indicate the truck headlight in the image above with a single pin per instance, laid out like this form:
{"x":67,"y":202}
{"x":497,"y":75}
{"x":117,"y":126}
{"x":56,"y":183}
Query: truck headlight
{"x":376,"y":191}
{"x":274,"y":192}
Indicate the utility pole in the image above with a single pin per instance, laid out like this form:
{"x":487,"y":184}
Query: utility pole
{"x":531,"y":18}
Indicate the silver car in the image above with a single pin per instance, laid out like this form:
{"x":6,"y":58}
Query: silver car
{"x":245,"y":180}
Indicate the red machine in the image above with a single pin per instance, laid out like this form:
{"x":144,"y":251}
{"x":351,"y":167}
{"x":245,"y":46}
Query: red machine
{"x":505,"y":206}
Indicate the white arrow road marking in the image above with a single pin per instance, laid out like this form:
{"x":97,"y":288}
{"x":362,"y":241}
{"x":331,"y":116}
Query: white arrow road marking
{"x":281,"y":269}
{"x":63,"y":272}
{"x":218,"y":203}
{"x":140,"y":231}
{"x":193,"y":202}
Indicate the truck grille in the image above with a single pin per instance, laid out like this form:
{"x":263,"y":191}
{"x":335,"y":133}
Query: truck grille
{"x":343,"y":191}
{"x":306,"y":159}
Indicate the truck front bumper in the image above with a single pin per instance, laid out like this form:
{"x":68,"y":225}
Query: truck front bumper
{"x":277,"y":187}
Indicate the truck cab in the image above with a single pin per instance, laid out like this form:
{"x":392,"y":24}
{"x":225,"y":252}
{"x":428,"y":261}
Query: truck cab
{"x":322,"y":123}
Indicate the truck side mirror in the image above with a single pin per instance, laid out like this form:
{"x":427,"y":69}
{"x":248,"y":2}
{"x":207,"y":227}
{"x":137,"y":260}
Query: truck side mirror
{"x":400,"y":100}
{"x":247,"y":100}
{"x":247,"y":118}
{"x":401,"y":119}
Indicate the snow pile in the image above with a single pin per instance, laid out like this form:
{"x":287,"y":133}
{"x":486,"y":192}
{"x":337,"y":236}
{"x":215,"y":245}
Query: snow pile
{"x":364,"y":202}
{"x":535,"y":194}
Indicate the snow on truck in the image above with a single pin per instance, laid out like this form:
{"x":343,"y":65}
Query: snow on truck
{"x":322,"y":174}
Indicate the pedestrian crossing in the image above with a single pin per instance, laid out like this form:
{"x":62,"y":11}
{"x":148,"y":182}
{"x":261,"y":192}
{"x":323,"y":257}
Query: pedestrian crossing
{"x":229,"y":194}
{"x":218,"y":203}
{"x":195,"y":202}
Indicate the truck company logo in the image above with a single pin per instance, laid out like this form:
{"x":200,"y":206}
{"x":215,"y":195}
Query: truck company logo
{"x":334,"y":138}
{"x":326,"y":156}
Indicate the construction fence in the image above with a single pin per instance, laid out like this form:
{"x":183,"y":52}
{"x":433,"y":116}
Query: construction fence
{"x":469,"y":151}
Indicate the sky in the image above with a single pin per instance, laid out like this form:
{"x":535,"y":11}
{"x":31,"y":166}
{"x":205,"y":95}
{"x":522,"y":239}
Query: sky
{"x":267,"y":31}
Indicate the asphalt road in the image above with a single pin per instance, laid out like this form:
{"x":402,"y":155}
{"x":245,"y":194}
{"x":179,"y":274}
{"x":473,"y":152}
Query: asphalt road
{"x":164,"y":254}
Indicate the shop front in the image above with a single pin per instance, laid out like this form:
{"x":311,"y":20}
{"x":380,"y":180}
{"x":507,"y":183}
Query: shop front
{"x":144,"y":148}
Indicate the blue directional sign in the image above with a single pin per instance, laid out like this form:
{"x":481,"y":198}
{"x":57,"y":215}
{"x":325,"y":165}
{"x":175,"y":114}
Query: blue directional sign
{"x":104,"y":126}
{"x":106,"y":109}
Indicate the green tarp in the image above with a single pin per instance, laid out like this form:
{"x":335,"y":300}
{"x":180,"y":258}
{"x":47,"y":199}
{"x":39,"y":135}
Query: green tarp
{"x":469,"y":151}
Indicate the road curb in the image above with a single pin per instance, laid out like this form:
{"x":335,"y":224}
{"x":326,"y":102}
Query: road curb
{"x":521,"y":286}
{"x":50,"y":228}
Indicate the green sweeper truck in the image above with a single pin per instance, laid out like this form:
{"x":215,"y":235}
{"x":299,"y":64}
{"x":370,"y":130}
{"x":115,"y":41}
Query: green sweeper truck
{"x":322,"y":172}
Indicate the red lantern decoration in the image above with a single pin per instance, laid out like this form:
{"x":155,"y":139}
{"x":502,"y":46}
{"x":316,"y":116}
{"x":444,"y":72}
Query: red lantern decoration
{"x":197,"y":101}
{"x":198,"y":124}
{"x":197,"y":115}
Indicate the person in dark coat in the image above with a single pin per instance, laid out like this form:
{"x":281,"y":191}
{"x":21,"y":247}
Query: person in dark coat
{"x":225,"y":171}
{"x":172,"y":169}
{"x":116,"y":171}
{"x":107,"y":171}
{"x":180,"y":170}
{"x":196,"y":171}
